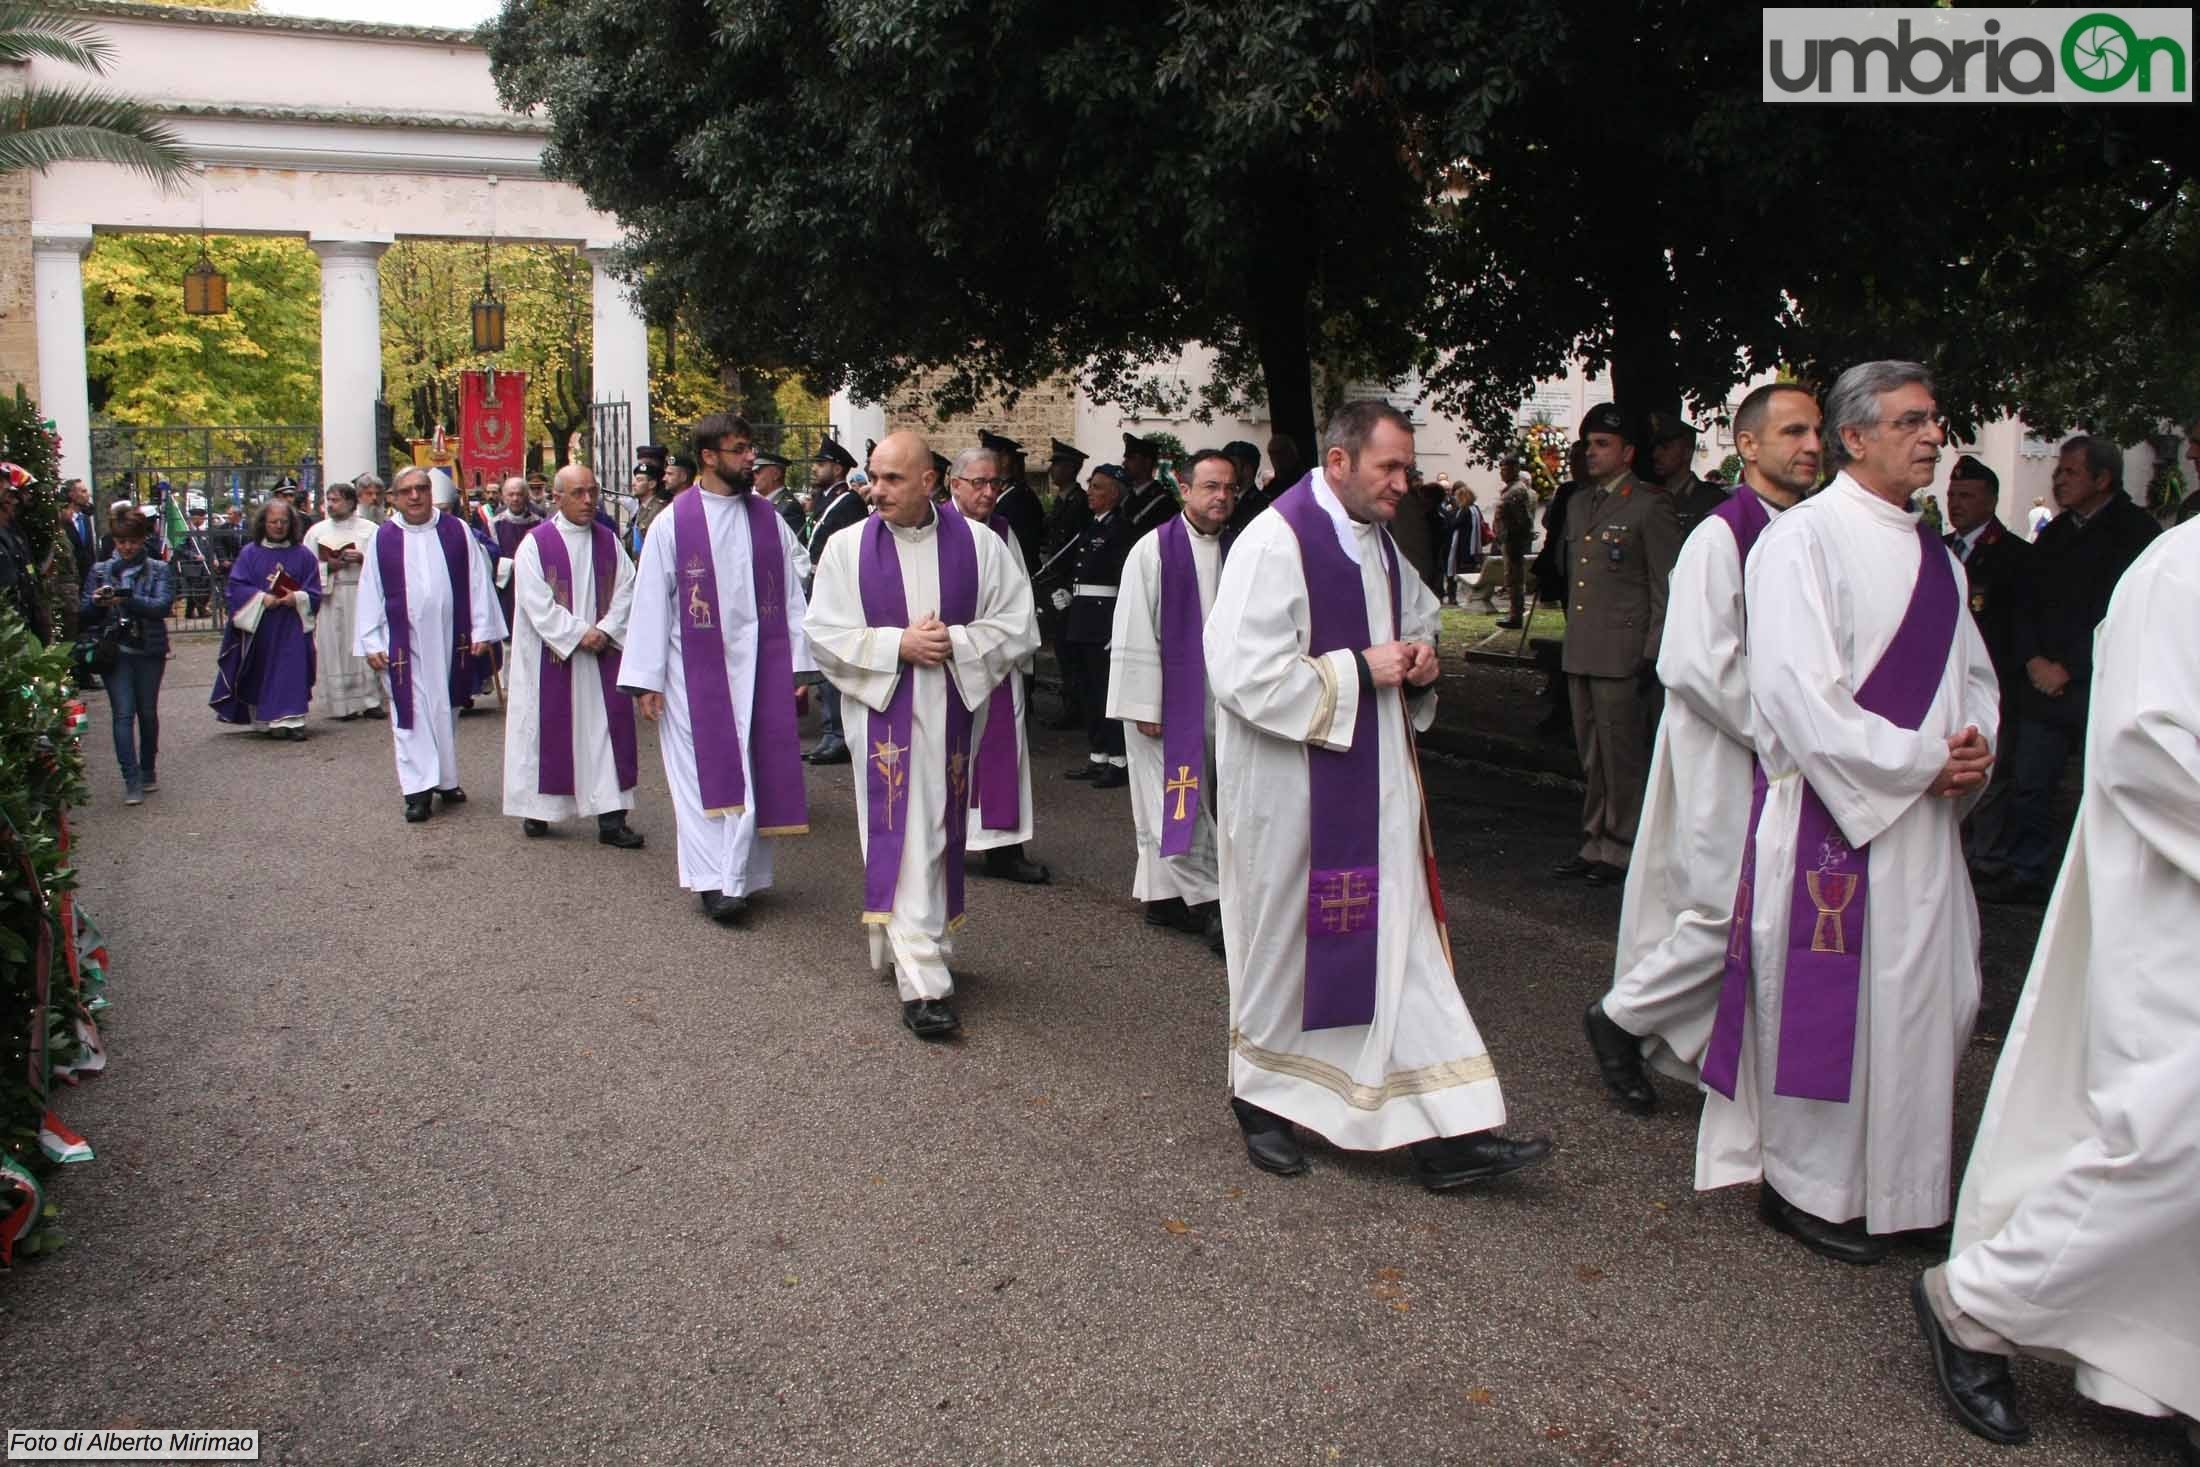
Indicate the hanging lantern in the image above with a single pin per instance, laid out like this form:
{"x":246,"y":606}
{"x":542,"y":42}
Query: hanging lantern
{"x":488,"y":309}
{"x":205,"y":289}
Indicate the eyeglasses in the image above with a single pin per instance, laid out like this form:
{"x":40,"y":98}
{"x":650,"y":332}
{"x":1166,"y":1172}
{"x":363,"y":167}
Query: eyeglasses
{"x":1909,"y":425}
{"x":985,"y":483}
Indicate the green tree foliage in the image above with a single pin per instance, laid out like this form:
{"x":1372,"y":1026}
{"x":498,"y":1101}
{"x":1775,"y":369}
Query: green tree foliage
{"x":1464,"y":189}
{"x":1023,"y":187}
{"x":151,"y":364}
{"x":41,"y":126}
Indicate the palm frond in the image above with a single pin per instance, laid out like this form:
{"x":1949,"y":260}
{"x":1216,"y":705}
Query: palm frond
{"x":42,"y":126}
{"x":33,"y":30}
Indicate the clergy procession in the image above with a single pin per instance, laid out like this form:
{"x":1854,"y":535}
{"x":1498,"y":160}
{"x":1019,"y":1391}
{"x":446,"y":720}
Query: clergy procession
{"x":1789,"y":715}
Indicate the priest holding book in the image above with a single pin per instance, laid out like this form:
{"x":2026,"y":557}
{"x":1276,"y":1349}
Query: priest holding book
{"x":569,"y":746}
{"x":427,"y":608}
{"x":264,"y":675}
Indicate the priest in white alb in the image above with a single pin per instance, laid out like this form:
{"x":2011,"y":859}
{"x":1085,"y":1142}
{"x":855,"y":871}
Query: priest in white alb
{"x":712,"y":649}
{"x":427,"y":608}
{"x":1000,"y":779}
{"x":345,"y":687}
{"x":1345,"y":1016}
{"x":1157,"y":687}
{"x":1851,"y":980}
{"x":918,"y":615}
{"x":2078,"y":1234}
{"x":569,"y":745}
{"x":1678,"y":908}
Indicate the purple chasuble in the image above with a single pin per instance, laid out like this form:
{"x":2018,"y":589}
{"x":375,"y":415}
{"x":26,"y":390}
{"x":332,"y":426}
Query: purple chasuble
{"x":886,"y":777}
{"x":1344,"y":789}
{"x":782,"y":804}
{"x":1827,"y":903}
{"x":554,"y":732}
{"x":268,"y":673}
{"x":1183,"y":689}
{"x":389,"y":559}
{"x":998,"y":786}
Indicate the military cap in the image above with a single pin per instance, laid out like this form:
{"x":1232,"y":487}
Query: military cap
{"x":993,"y":442}
{"x":1662,"y":427}
{"x":1238,"y":448}
{"x":1067,"y":451}
{"x":829,"y":452}
{"x":287,"y":484}
{"x":1968,"y":467}
{"x":1606,"y":417}
{"x":650,"y":453}
{"x":685,"y":460}
{"x":1115,"y":472}
{"x":769,"y":460}
{"x":1140,"y":447}
{"x":941,"y":465}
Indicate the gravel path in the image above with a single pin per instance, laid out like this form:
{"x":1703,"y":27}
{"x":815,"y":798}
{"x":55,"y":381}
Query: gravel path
{"x":434,"y":1145}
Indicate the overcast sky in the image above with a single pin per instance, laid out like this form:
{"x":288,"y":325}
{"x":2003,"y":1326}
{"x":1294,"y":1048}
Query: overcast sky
{"x":459,"y":14}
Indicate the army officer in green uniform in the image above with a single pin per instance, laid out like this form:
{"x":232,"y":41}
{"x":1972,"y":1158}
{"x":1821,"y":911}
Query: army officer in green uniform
{"x":1623,"y":535}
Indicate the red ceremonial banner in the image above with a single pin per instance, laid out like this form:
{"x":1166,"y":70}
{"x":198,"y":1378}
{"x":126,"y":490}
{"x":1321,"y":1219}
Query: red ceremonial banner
{"x":492,"y":418}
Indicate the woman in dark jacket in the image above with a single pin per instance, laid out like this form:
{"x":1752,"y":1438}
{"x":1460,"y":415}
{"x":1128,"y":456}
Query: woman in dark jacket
{"x":132,"y":590}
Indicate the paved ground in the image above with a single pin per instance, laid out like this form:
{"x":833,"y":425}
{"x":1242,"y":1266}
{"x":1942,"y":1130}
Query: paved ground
{"x":433,"y":1145}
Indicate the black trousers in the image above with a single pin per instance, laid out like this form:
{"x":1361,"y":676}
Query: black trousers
{"x":1102,"y":733}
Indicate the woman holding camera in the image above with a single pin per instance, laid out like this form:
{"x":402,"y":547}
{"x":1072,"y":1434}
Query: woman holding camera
{"x":126,"y":601}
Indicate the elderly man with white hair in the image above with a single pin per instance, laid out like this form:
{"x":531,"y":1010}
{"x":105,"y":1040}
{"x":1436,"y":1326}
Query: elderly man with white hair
{"x":426,"y":609}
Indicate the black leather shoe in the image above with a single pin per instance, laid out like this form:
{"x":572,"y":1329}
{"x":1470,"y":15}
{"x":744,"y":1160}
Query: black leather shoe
{"x":1084,"y":771}
{"x":1269,"y":1143}
{"x":929,"y":1018}
{"x":1112,"y":777}
{"x":1216,"y":942}
{"x":1604,"y":873}
{"x":833,"y":753}
{"x":726,"y":911}
{"x":1170,"y":912}
{"x":1455,"y":1161}
{"x":377,"y":711}
{"x":1007,"y":863}
{"x":622,"y":837}
{"x":416,"y":809}
{"x":1572,"y":866}
{"x":1508,"y":624}
{"x":1619,"y":1057}
{"x":1844,"y":1242}
{"x":453,"y":796}
{"x":535,"y":829}
{"x":295,"y":735}
{"x":1975,"y":1384}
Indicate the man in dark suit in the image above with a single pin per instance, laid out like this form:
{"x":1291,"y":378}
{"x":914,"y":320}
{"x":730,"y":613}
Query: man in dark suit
{"x":2075,"y":565}
{"x":1018,"y":503}
{"x":82,"y":528}
{"x":1147,"y":503}
{"x":1089,"y":624}
{"x":1066,"y":521}
{"x":1995,"y":565}
{"x":834,"y":507}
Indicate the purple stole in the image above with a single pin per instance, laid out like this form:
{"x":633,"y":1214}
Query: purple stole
{"x":1344,"y":790}
{"x":554,"y":759}
{"x":1828,"y":900}
{"x":886,"y":777}
{"x":508,"y":536}
{"x":998,"y":786}
{"x":389,"y":559}
{"x":1183,"y":688}
{"x":782,"y":804}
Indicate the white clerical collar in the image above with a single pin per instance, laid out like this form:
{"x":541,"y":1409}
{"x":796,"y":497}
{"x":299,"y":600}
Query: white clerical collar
{"x":1348,"y":528}
{"x":915,"y":532}
{"x":1772,"y":510}
{"x":1849,"y":489}
{"x":1202,"y":534}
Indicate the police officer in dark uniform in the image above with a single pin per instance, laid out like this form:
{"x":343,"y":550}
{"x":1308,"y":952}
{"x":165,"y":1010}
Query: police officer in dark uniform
{"x":1148,"y":505}
{"x":1995,"y":565}
{"x":834,"y":508}
{"x":1672,"y":450}
{"x":1018,"y":503}
{"x":770,"y":472}
{"x":1090,"y":623}
{"x":1623,"y":539}
{"x":1066,"y":521}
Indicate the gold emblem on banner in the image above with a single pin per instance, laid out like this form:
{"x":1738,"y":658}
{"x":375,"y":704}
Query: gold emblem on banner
{"x":1344,"y":900}
{"x":1185,"y":785}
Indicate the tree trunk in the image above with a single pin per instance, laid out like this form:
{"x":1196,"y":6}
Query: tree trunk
{"x":1645,"y":366}
{"x":1280,"y":295}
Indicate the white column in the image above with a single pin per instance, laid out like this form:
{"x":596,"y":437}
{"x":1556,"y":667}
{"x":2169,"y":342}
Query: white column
{"x":622,"y":347}
{"x":351,"y":350}
{"x":64,"y":394}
